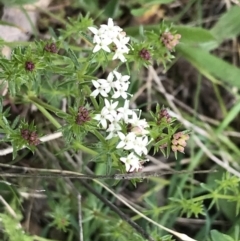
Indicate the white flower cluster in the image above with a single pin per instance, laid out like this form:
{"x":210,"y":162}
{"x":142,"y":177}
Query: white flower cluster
{"x":110,"y":34}
{"x":113,"y":117}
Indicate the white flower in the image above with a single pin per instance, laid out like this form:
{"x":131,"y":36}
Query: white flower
{"x":136,"y":121}
{"x":140,"y":145}
{"x":121,"y":43}
{"x":122,"y":79}
{"x":111,"y":30}
{"x":121,"y":49}
{"x":101,"y":88}
{"x":110,"y":108}
{"x":97,"y":32}
{"x":102,"y":43}
{"x":110,"y":81}
{"x":127,"y":142}
{"x":113,"y":128}
{"x":124,"y":112}
{"x":102,"y":118}
{"x":108,"y":34}
{"x":121,"y":90}
{"x":131,"y":162}
{"x":119,"y":55}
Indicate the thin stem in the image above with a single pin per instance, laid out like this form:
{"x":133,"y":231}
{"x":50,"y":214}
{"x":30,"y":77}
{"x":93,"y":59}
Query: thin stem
{"x":99,"y":136}
{"x":95,"y":104}
{"x":47,"y":115}
{"x":80,"y":217}
{"x":48,"y":173}
{"x":45,"y":105}
{"x":85,"y":149}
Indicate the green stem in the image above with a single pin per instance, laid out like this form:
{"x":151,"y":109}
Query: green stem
{"x":85,"y":149}
{"x":211,"y":196}
{"x":99,"y":136}
{"x":45,"y":105}
{"x":47,"y":115}
{"x":40,"y":105}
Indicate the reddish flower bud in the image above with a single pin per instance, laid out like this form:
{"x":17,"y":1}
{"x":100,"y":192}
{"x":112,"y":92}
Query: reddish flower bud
{"x":25,"y":134}
{"x":29,"y":66}
{"x":170,"y":40}
{"x":52,"y":48}
{"x":82,"y":116}
{"x":33,"y":139}
{"x":164,"y":114}
{"x":145,"y":54}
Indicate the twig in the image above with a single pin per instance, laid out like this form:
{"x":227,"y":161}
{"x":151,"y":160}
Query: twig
{"x":46,"y":138}
{"x":10,"y":210}
{"x":75,"y":175}
{"x":80,"y":217}
{"x":214,"y":158}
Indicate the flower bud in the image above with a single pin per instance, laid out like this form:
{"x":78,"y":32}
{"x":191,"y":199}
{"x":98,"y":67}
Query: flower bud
{"x":179,"y":141}
{"x":25,"y":134}
{"x":170,"y":40}
{"x":163,"y":114}
{"x":82,"y":116}
{"x":52,"y":48}
{"x":29,"y":66}
{"x":33,"y":139}
{"x":145,"y":54}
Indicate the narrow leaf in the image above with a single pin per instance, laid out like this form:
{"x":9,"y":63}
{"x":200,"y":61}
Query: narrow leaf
{"x":194,"y":35}
{"x":228,"y":25}
{"x":210,"y":66}
{"x":217,"y":236}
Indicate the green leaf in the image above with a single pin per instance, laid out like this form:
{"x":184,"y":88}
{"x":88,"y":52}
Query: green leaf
{"x":111,"y":8}
{"x":210,"y":66}
{"x":61,"y":114}
{"x":17,"y":2}
{"x":229,"y":117}
{"x":73,"y":57}
{"x":228,"y":25}
{"x":190,"y":35}
{"x":195,"y":36}
{"x":217,"y":236}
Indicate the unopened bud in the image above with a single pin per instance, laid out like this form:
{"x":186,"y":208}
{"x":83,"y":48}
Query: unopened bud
{"x":51,"y":48}
{"x":179,"y":141}
{"x":29,"y":66}
{"x":82,"y":116}
{"x":145,"y":54}
{"x":170,"y":40}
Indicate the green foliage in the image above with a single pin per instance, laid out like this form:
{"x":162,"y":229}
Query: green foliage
{"x":47,"y":73}
{"x":228,"y":25}
{"x":217,"y":236}
{"x":60,"y":214}
{"x":210,"y":66}
{"x":17,"y":2}
{"x":13,"y":230}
